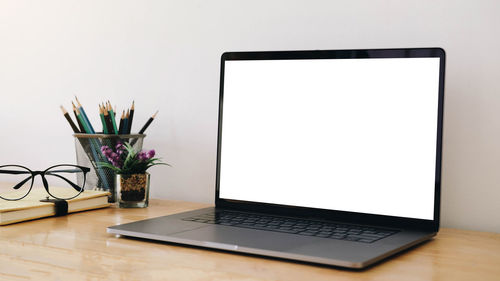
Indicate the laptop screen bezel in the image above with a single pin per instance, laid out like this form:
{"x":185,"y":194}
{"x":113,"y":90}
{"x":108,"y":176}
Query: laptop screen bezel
{"x":392,"y":221}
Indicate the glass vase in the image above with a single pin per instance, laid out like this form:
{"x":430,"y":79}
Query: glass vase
{"x":88,"y":154}
{"x":132,"y":190}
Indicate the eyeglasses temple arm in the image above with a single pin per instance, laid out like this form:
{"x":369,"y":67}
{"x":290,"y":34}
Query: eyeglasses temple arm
{"x":76,"y":187}
{"x":17,"y":186}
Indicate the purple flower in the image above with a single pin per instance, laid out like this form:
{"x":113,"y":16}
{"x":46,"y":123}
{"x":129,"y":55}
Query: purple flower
{"x":151,"y":154}
{"x":120,"y":147}
{"x":116,"y":164}
{"x":104,"y":149}
{"x":113,"y":157}
{"x":117,"y":154}
{"x":142,"y":156}
{"x":110,"y":159}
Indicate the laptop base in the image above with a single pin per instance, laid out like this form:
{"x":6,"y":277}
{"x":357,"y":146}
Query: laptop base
{"x":349,"y":254}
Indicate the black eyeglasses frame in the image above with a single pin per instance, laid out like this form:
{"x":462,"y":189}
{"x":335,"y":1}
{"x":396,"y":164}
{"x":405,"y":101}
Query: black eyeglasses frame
{"x":80,"y":189}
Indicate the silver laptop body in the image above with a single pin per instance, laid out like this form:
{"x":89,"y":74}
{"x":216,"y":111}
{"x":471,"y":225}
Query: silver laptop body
{"x":329,"y":157}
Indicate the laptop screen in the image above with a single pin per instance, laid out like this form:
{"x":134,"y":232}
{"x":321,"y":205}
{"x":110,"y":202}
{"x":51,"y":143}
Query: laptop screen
{"x":356,"y":135}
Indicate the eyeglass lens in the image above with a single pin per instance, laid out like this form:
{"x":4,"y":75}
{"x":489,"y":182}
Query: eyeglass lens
{"x":63,"y":181}
{"x":15,"y":182}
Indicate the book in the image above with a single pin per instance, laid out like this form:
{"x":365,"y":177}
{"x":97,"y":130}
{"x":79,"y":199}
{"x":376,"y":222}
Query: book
{"x":30,"y":207}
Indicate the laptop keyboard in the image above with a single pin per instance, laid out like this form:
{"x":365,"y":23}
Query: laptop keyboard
{"x":304,"y":227}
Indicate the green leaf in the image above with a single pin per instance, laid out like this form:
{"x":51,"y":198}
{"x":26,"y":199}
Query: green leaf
{"x":108,"y":165}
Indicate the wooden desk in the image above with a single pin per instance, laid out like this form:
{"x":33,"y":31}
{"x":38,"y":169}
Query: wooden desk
{"x":77,"y":247}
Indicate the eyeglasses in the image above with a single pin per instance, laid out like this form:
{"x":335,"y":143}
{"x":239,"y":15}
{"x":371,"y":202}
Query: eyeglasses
{"x":17,"y":181}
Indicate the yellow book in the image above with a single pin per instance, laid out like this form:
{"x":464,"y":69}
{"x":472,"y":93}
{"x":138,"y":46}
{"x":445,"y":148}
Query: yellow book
{"x":30,"y":207}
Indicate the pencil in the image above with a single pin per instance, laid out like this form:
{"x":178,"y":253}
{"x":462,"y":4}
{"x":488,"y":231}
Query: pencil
{"x":112,"y":116}
{"x":84,"y":124}
{"x":85,"y":118}
{"x":125,"y":123}
{"x":107,"y":120}
{"x":66,"y":115}
{"x":82,"y":130}
{"x":131,"y":118}
{"x":101,"y":114}
{"x":120,"y":128}
{"x":148,"y":123}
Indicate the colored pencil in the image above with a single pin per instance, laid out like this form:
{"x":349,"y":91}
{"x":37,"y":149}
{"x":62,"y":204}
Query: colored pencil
{"x":148,"y":123}
{"x":101,"y":114}
{"x":125,"y":123}
{"x":120,"y":128}
{"x":84,"y":124}
{"x":131,"y":118}
{"x":84,"y":116}
{"x":112,"y":116}
{"x":82,"y":130}
{"x":107,"y":119}
{"x":66,"y":115}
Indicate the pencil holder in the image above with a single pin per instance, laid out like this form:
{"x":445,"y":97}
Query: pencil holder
{"x":88,"y":154}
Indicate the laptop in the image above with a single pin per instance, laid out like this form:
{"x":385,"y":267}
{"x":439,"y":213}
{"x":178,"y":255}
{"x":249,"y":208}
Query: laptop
{"x":330,"y":157}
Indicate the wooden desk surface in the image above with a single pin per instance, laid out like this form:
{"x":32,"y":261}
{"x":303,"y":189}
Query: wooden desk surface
{"x":77,"y":247}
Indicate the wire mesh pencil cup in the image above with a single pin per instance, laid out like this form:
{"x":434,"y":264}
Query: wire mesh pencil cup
{"x":88,"y":154}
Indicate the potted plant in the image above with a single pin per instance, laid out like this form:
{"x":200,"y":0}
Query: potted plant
{"x":130,"y":166}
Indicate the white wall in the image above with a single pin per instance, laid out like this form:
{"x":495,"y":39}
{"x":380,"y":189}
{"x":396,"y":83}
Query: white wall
{"x":165,"y":55}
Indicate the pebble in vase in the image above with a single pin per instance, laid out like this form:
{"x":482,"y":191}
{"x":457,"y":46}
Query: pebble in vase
{"x":133,"y":190}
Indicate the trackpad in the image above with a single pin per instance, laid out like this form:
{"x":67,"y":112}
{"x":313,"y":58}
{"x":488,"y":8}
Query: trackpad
{"x":230,"y":238}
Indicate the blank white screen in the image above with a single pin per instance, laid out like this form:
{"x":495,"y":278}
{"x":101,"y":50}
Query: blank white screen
{"x":354,"y":135}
